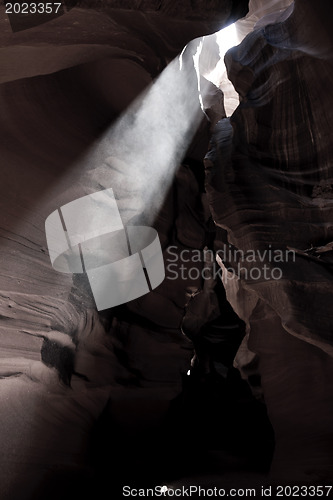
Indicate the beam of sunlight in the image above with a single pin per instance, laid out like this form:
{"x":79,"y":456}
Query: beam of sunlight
{"x":140,"y":153}
{"x":138,"y":156}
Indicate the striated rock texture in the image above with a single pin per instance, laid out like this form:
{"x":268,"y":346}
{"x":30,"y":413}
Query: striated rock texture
{"x":63,"y":366}
{"x":269,"y":183}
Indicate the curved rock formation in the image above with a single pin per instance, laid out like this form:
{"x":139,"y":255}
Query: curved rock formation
{"x":63,"y":83}
{"x":269,"y":178}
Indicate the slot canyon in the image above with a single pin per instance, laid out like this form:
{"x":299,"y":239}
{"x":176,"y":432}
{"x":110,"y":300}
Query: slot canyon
{"x":209,"y":121}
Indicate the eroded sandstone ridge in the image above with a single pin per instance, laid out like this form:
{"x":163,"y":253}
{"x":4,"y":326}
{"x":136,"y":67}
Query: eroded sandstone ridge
{"x":269,"y":179}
